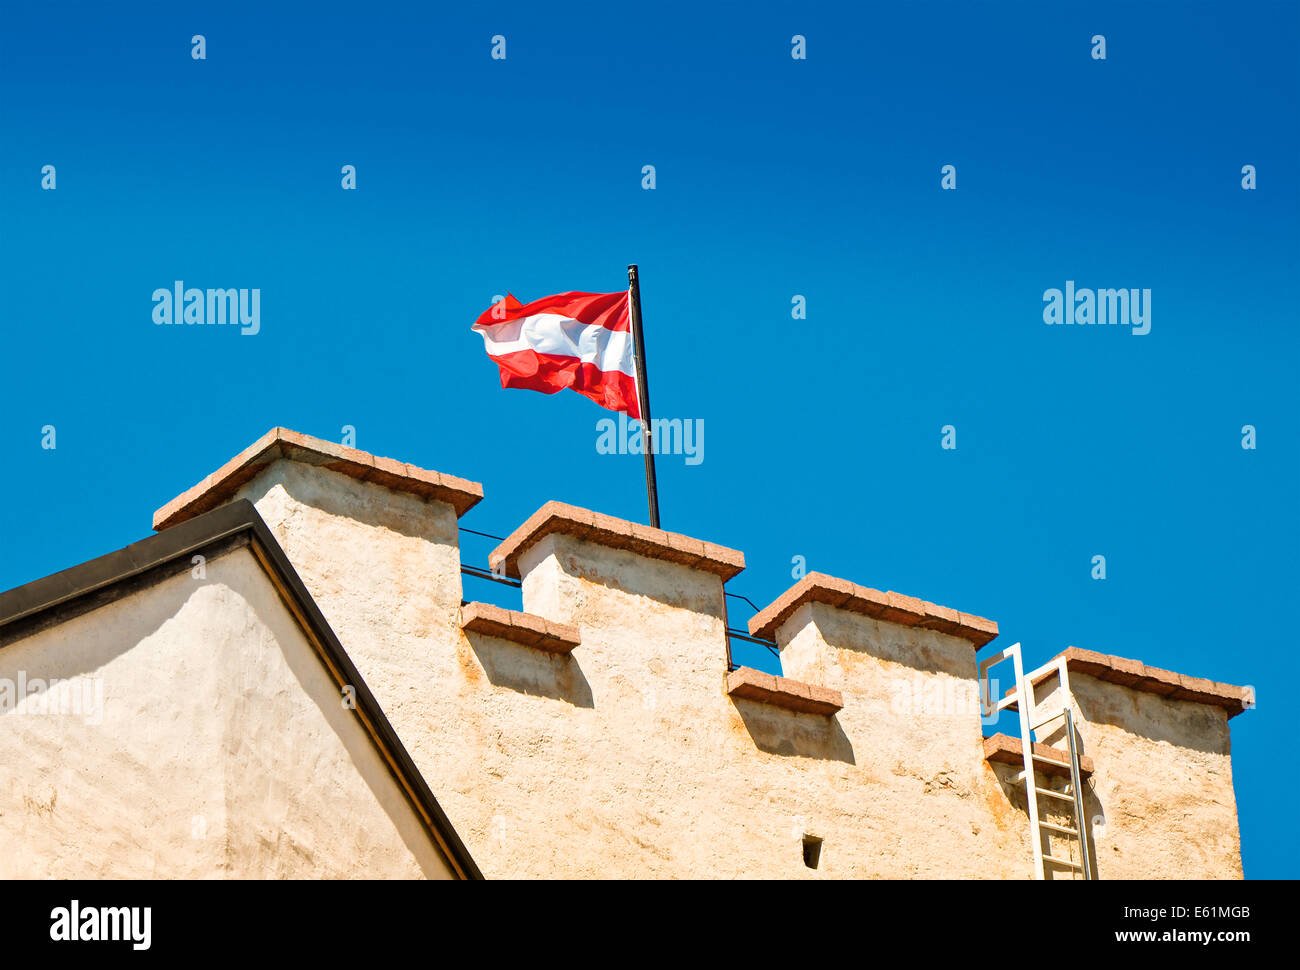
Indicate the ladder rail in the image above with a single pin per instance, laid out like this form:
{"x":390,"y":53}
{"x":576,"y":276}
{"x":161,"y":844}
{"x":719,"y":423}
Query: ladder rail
{"x":1075,"y":779}
{"x":1025,"y":692}
{"x":1022,"y":696}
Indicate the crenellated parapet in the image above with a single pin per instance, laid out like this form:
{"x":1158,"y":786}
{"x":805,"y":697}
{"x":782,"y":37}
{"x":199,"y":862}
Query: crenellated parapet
{"x":601,"y":729}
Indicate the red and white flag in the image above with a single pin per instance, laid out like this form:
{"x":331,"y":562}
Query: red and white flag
{"x":582,"y":341}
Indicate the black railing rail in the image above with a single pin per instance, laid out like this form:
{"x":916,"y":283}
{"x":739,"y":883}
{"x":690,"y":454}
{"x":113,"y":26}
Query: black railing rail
{"x":732,"y":634}
{"x":737,"y":596}
{"x":489,"y":575}
{"x":745,"y":637}
{"x":485,"y":535}
{"x":478,"y":572}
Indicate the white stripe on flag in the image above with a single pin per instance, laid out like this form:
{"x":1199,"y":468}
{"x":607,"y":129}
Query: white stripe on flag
{"x":551,"y":333}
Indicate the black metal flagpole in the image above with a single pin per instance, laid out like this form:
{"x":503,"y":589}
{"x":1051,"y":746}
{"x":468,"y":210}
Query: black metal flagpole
{"x":643,"y":394}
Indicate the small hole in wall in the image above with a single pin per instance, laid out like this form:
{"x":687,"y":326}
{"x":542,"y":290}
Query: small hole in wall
{"x":812,"y":851}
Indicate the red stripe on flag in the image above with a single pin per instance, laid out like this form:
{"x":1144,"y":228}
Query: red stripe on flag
{"x":550,"y":373}
{"x":608,"y":310}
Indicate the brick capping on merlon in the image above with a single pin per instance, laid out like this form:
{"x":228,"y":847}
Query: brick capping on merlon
{"x":754,"y":685}
{"x":1153,"y":680}
{"x":221,"y":485}
{"x":890,"y":607}
{"x":556,"y":517}
{"x":1006,"y":750}
{"x":522,"y":628}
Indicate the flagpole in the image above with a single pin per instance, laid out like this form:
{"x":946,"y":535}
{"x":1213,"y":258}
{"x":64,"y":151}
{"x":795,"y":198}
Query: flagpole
{"x":643,"y":393}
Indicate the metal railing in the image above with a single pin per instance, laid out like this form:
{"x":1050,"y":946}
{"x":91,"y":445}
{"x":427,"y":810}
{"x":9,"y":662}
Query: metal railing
{"x":478,"y":572}
{"x":741,"y":635}
{"x":732,"y":634}
{"x":489,"y":575}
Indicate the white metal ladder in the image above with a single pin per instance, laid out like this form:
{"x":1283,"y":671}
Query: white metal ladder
{"x":1022,"y":696}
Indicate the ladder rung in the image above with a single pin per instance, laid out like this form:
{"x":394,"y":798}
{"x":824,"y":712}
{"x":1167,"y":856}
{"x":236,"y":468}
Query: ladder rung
{"x":1059,"y":828}
{"x":1064,"y":796}
{"x":1052,"y":761}
{"x":1062,"y":862}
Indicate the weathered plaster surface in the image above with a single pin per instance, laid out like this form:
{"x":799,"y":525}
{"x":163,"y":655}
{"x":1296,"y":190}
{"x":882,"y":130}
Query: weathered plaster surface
{"x":223,"y":748}
{"x":627,"y":758}
{"x":1160,"y":803}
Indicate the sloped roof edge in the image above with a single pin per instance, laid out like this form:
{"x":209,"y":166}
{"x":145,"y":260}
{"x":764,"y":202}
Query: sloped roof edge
{"x":27,"y":605}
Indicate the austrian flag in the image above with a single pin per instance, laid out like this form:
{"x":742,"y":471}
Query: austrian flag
{"x":582,"y":341}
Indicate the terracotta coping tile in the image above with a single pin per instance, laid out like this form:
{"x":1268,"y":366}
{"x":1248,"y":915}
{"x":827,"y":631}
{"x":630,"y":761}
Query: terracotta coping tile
{"x":1163,"y":682}
{"x":277,"y":443}
{"x":1124,"y":671}
{"x":522,"y":628}
{"x":1087,"y":661}
{"x":889,"y":607}
{"x":793,"y":695}
{"x":1006,"y":750}
{"x":1153,"y":680}
{"x":556,"y":517}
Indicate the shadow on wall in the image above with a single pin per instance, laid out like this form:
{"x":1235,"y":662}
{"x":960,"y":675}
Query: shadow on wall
{"x":531,"y":671}
{"x":778,"y":731}
{"x":1198,"y":727}
{"x":665,"y":582}
{"x":343,"y":497}
{"x":922,"y":650}
{"x":1049,"y":810}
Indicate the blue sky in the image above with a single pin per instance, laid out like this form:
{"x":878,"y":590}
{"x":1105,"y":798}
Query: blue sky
{"x":775,"y":177}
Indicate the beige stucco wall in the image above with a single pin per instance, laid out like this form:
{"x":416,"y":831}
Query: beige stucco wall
{"x":627,"y":758}
{"x":1160,"y":803}
{"x":221,"y":747}
{"x":911,"y":708}
{"x":384,"y":568}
